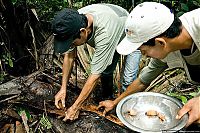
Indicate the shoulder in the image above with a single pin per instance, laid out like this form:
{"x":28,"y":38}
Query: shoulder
{"x":192,"y":14}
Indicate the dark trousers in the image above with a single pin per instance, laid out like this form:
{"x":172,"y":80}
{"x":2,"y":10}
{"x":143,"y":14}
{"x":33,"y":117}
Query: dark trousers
{"x":107,"y":78}
{"x":107,"y":86}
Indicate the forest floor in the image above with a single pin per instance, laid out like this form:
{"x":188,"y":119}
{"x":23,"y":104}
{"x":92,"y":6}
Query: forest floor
{"x":27,"y":106}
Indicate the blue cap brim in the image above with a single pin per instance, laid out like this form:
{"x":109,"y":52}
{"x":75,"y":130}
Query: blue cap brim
{"x":61,"y":46}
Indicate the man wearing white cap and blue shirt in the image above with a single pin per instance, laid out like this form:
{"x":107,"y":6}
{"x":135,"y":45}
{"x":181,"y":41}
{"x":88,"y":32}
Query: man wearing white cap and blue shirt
{"x":170,"y":41}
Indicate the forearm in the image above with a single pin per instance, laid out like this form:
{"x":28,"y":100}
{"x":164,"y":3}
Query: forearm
{"x":67,"y":68}
{"x":135,"y":86}
{"x":87,"y":89}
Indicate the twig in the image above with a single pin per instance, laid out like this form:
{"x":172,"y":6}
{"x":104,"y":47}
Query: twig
{"x":57,"y":63}
{"x":25,"y":119}
{"x":2,"y":5}
{"x":34,"y":44}
{"x":1,"y":66}
{"x":12,"y":97}
{"x":45,"y":109}
{"x":170,"y":83}
{"x":37,"y":127}
{"x":48,"y":76}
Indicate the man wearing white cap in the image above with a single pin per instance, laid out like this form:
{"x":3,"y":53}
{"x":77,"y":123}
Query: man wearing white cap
{"x":170,"y":41}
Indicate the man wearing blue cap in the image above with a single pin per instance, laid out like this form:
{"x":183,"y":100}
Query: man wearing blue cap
{"x":171,"y":42}
{"x":102,"y":27}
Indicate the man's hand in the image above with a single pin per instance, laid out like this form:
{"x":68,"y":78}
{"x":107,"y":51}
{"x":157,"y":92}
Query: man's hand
{"x":71,"y":114}
{"x":192,"y":107}
{"x":60,"y":96}
{"x":108,"y":104}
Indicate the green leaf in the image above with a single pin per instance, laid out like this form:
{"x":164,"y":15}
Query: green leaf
{"x":44,"y":121}
{"x":183,"y":99}
{"x":193,"y":94}
{"x":172,"y":94}
{"x":2,"y":77}
{"x":196,"y":3}
{"x":180,"y":13}
{"x":20,"y":110}
{"x":198,"y":89}
{"x":184,"y":7}
{"x":14,"y":1}
{"x":10,"y":62}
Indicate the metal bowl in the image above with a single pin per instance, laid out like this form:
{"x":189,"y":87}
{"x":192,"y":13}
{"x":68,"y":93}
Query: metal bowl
{"x":143,"y":102}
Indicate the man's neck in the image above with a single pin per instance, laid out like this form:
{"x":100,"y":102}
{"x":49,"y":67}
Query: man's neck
{"x":90,"y":25}
{"x":90,"y":22}
{"x":182,"y":42}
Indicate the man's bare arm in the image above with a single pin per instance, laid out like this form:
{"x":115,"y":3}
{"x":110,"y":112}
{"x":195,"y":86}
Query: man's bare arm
{"x":73,"y":112}
{"x":135,"y":86}
{"x":66,"y":71}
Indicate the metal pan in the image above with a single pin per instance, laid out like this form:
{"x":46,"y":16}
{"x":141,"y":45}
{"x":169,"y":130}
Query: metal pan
{"x":141,"y":103}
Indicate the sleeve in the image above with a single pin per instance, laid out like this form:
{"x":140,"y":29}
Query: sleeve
{"x":107,"y":36}
{"x":150,"y":72}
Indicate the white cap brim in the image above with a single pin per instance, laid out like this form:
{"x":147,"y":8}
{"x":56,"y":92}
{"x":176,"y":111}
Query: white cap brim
{"x":126,"y":47}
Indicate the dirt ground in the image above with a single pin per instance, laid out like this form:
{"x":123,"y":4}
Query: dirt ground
{"x":29,"y":107}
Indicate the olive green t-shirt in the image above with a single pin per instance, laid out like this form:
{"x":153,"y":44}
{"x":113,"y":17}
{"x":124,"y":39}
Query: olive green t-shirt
{"x":108,"y":31}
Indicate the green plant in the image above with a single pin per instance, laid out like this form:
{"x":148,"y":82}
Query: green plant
{"x":184,"y":97}
{"x":7,"y":59}
{"x":44,"y":121}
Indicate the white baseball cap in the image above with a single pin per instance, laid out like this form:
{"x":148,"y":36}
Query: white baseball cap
{"x":146,"y":21}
